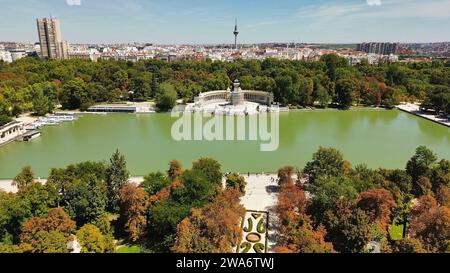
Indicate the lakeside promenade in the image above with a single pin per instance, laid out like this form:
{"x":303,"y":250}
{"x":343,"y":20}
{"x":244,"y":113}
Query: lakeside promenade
{"x":6,"y":184}
{"x":414,"y":109}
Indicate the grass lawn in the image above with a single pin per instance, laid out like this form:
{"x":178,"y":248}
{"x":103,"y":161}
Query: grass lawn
{"x":129,"y":249}
{"x":396,"y":232}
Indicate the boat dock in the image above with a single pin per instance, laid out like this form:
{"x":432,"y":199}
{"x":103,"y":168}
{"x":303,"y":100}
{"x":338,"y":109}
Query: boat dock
{"x":139,"y":108}
{"x":30,"y":135}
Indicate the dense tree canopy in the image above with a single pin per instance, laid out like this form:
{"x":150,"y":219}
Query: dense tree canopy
{"x":38,"y":86}
{"x":352,"y":210}
{"x":340,"y":208}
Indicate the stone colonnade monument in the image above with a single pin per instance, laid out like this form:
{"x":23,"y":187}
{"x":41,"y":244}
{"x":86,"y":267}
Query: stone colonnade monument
{"x":234,"y":97}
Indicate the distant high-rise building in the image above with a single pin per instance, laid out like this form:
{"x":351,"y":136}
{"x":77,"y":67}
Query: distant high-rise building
{"x":236,"y":33}
{"x":378,"y":48}
{"x":52,"y":46}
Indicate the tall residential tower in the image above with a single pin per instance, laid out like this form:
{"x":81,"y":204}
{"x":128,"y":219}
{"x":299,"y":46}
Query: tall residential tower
{"x":52,"y":46}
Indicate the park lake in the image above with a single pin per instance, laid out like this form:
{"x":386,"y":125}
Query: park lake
{"x":377,"y":138}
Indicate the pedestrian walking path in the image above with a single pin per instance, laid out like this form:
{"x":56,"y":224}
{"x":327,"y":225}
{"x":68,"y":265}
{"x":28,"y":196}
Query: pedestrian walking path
{"x":415,"y":110}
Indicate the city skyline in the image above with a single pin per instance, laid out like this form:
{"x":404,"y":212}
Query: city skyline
{"x":211,"y":22}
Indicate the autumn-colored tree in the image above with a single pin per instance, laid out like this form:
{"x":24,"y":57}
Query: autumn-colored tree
{"x":133,"y":204}
{"x":409,"y":245}
{"x":291,"y":203}
{"x":175,"y":170}
{"x":379,"y":205}
{"x":46,"y":242}
{"x":443,"y":196}
{"x":92,"y":240}
{"x":165,"y":192}
{"x":296,"y":232}
{"x":423,"y":186}
{"x":189,"y":236}
{"x":285,"y":175}
{"x":349,"y":229}
{"x":214,"y":228}
{"x":430,"y":223}
{"x":423,"y":205}
{"x":44,"y":234}
{"x":300,"y":237}
{"x":57,"y":220}
{"x":236,"y":181}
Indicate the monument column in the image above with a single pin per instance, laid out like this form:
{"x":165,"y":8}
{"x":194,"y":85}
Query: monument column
{"x":237,"y":96}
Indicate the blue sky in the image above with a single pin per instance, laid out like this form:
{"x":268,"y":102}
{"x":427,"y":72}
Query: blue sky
{"x":212,"y":21}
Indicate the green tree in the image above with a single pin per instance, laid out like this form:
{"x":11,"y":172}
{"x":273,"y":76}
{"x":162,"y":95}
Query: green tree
{"x":345,"y":92}
{"x":366,"y":179}
{"x":196,"y":190}
{"x":326,"y":161}
{"x":86,"y":200}
{"x":440,"y":175}
{"x":438,"y":98}
{"x":40,"y":198}
{"x":93,"y":241}
{"x":349,"y":230}
{"x":24,"y":178}
{"x":420,"y":165}
{"x":154,"y":182}
{"x":75,"y":95}
{"x":45,"y":97}
{"x":323,"y":97}
{"x":327,"y":192}
{"x":14,"y":210}
{"x":4,"y":119}
{"x":210,"y":168}
{"x":41,"y":105}
{"x":333,"y":62}
{"x":237,"y":182}
{"x":162,"y":221}
{"x":141,"y":85}
{"x":167,"y":98}
{"x":117,"y":176}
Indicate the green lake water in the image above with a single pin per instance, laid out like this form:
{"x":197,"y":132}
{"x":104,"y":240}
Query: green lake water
{"x":376,"y":138}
